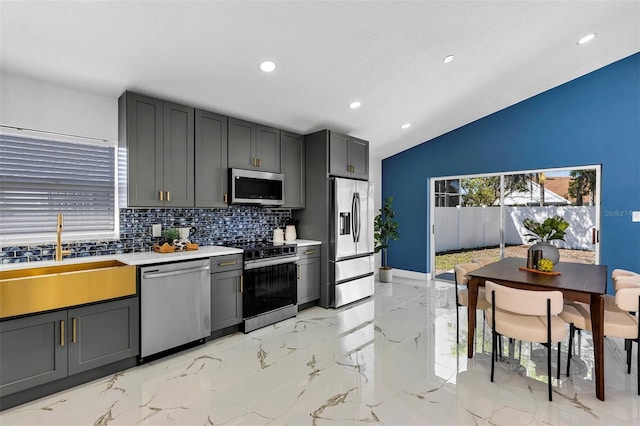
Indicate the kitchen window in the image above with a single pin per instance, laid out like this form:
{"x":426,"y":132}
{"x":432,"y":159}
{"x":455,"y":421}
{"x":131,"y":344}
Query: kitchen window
{"x":41,"y":176}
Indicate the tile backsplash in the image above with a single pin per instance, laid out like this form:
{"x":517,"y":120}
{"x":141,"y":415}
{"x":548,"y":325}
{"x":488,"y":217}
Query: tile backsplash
{"x":208,"y":227}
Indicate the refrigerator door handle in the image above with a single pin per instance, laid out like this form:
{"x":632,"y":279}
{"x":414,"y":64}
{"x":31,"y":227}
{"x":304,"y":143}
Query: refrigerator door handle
{"x":359,"y":212}
{"x":354,"y":219}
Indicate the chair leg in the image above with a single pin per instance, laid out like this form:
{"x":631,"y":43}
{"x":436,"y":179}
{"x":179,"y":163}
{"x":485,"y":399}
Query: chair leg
{"x":457,"y":325}
{"x":494,"y":340}
{"x":629,"y":348}
{"x":494,"y":334}
{"x":549,"y":346}
{"x":570,"y":354}
{"x":558,"y":366}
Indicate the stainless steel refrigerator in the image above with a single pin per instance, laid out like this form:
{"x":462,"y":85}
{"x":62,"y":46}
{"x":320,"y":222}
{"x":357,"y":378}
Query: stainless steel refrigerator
{"x":351,"y":241}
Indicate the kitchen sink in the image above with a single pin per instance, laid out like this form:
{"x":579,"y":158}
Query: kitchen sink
{"x":44,"y":288}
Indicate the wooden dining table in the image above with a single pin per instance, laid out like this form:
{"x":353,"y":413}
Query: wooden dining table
{"x":579,"y":282}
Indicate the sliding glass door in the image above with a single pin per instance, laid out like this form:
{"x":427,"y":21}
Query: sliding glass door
{"x":481,"y":215}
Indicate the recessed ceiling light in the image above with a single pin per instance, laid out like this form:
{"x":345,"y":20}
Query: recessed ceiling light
{"x":405,"y":126}
{"x":267,"y":66}
{"x":587,"y":38}
{"x":355,"y":104}
{"x":447,"y":59}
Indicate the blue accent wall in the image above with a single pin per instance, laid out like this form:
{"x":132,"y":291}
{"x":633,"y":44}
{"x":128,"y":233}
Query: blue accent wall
{"x":594,"y":119}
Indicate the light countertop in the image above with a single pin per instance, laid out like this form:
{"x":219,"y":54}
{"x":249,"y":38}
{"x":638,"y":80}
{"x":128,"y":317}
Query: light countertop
{"x":144,"y":258}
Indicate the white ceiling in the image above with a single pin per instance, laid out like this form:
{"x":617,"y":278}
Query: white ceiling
{"x":387,"y":54}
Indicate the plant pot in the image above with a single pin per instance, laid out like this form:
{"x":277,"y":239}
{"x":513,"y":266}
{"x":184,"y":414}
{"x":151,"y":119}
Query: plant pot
{"x":385,"y":275}
{"x":548,"y":252}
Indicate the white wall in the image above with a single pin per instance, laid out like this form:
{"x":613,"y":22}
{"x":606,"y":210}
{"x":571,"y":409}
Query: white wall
{"x":38,"y":105}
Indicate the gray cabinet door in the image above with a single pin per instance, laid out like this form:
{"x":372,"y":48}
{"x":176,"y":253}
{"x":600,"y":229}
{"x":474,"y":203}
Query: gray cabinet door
{"x":103,"y":333}
{"x":267,"y":149}
{"x":141,"y":130}
{"x":178,"y":155}
{"x":338,"y":154}
{"x":308,"y":274}
{"x":348,"y":156}
{"x":292,"y":165}
{"x":359,"y":158}
{"x":33,"y":351}
{"x":242,"y":136}
{"x":210,"y":159}
{"x":158,"y":137}
{"x":226,"y":299}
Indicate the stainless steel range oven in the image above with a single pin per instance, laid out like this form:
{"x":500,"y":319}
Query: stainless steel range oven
{"x":270,"y":284}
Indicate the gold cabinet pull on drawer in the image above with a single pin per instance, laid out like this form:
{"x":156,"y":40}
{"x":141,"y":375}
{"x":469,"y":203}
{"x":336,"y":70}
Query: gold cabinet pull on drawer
{"x":168,"y":195}
{"x":161,"y":195}
{"x":241,"y":284}
{"x":74,"y":330}
{"x":228,"y":263}
{"x":310,"y":252}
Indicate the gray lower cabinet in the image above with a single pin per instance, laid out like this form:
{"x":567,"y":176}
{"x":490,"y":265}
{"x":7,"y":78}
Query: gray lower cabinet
{"x":46,"y":347}
{"x":253,"y":146}
{"x":157,"y":137}
{"x":32,"y":351}
{"x":348,"y":156}
{"x":101,"y":334}
{"x":292,"y":165}
{"x":210,"y":159}
{"x":226,"y":291}
{"x":308,"y":274}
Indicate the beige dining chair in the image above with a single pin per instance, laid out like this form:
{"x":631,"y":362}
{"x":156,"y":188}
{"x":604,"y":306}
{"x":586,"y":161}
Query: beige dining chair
{"x":618,"y":321}
{"x":525,"y":315}
{"x":461,"y":272}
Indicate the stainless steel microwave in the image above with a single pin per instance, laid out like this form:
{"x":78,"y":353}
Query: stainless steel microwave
{"x":255,"y":187}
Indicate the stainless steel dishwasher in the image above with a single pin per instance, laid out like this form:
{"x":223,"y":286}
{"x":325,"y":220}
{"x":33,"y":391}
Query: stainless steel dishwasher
{"x":175,"y":305}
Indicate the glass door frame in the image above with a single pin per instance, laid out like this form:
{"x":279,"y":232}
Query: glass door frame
{"x":432,"y":205}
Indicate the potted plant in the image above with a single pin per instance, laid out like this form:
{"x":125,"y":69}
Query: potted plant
{"x":385,"y":228}
{"x":552,"y":228}
{"x":170,"y":235}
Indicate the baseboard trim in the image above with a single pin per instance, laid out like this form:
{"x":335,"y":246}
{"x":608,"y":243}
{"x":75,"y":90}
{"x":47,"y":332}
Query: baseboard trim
{"x":411,"y":274}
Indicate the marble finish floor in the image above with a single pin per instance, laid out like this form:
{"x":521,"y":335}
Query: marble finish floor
{"x":388,"y":360}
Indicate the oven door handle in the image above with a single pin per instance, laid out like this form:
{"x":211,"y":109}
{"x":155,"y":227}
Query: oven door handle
{"x":271,"y":262}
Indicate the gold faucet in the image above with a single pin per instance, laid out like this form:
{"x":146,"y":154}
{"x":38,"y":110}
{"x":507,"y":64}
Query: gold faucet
{"x":59,"y":251}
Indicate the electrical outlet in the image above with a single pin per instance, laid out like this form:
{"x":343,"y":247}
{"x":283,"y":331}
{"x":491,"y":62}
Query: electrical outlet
{"x":156,"y":230}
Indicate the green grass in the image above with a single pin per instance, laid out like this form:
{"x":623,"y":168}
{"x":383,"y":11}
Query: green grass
{"x":446,"y":261}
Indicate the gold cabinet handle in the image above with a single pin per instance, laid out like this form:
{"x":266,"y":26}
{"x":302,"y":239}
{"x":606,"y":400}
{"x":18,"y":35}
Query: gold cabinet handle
{"x":253,"y":162}
{"x":241,"y":284}
{"x":259,"y":163}
{"x":74,"y":330}
{"x":224,"y":198}
{"x":168,"y":196}
{"x":310,"y":252}
{"x":61,"y":332}
{"x":161,"y":195}
{"x":298,"y":270}
{"x":229,"y":263}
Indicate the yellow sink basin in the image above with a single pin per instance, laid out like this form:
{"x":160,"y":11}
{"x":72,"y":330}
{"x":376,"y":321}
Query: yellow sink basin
{"x":38,"y":289}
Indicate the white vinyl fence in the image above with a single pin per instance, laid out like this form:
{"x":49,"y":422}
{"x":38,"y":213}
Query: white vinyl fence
{"x":474,"y":227}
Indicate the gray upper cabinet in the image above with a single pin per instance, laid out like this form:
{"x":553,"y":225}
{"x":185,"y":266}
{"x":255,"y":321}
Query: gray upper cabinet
{"x":253,"y":146}
{"x":348,"y":156}
{"x":292,"y":165}
{"x":159,"y":140}
{"x":210,"y":159}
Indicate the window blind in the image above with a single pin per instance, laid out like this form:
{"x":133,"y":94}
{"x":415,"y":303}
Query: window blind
{"x":40,"y":178}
